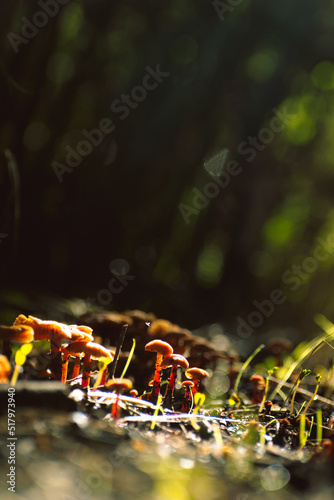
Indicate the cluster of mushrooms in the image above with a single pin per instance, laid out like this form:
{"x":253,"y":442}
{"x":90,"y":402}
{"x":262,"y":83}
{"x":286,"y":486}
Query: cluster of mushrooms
{"x":75,"y":352}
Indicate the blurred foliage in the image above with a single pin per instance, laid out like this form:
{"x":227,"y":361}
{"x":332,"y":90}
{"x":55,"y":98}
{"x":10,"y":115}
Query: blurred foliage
{"x":227,"y":80}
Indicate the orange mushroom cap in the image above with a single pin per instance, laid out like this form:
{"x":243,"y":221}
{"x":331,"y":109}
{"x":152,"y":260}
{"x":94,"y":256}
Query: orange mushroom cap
{"x":197,"y":373}
{"x":174,"y":359}
{"x":43,"y":329}
{"x":160,"y":347}
{"x":90,"y":348}
{"x":188,"y":383}
{"x":119,"y":384}
{"x":15,"y":333}
{"x":257,"y":380}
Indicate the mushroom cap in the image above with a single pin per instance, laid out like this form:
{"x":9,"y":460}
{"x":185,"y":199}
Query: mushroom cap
{"x":197,"y":373}
{"x":19,"y":333}
{"x":257,"y":380}
{"x":90,"y":348}
{"x":4,"y":369}
{"x":119,"y":384}
{"x":174,"y":359}
{"x":44,"y":329}
{"x":160,"y":347}
{"x":188,"y":383}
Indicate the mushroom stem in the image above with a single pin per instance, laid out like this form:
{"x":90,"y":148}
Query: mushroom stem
{"x":169,"y":397}
{"x":188,"y":397}
{"x":64,"y":367}
{"x":86,"y":371}
{"x":187,"y":401}
{"x":76,"y":367}
{"x":104,"y":376}
{"x":114,"y":408}
{"x":157,"y":378}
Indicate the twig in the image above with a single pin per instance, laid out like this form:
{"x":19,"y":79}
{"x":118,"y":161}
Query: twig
{"x":118,"y":350}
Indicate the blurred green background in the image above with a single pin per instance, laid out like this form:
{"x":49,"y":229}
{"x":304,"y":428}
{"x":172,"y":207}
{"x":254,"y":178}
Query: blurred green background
{"x":231,"y":70}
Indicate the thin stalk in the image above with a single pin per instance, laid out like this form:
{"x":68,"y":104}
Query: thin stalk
{"x":270,"y":372}
{"x":128,"y":361}
{"x":318,"y":378}
{"x":301,"y":376}
{"x":302,"y":433}
{"x":118,"y":350}
{"x":244,"y":366}
{"x":319,"y":427}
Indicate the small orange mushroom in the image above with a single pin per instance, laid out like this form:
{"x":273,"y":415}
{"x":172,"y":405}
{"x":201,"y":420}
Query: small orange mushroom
{"x":118,"y":385}
{"x":197,"y":375}
{"x":175,"y":361}
{"x":162,"y":349}
{"x":187,"y":401}
{"x":259,"y":385}
{"x":90,"y":349}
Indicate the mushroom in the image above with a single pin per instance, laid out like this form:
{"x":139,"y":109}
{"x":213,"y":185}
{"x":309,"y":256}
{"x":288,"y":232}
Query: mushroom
{"x":8,"y":334}
{"x":197,"y":375}
{"x":187,"y":400}
{"x":259,"y":385}
{"x":56,"y":332}
{"x":4,"y":369}
{"x":173,"y":360}
{"x":268,"y":406}
{"x":118,"y":385}
{"x":22,"y":333}
{"x":90,"y":349}
{"x":162,"y":349}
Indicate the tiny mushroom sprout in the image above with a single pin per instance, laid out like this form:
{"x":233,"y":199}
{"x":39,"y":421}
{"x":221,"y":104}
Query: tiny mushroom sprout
{"x":90,"y":350}
{"x":175,"y":361}
{"x":55,"y":332}
{"x":259,"y":385}
{"x":162,"y":349}
{"x":187,"y":401}
{"x":197,"y":375}
{"x":118,"y":385}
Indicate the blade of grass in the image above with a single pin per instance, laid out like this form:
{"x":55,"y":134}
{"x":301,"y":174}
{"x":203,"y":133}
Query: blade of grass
{"x":319,"y":426}
{"x":244,"y":366}
{"x":128,"y":361}
{"x":310,"y":348}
